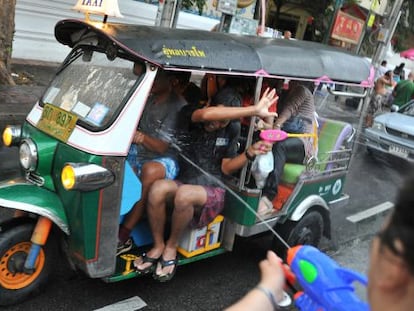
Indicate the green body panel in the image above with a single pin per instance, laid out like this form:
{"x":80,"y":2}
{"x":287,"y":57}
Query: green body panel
{"x":46,"y":146}
{"x":81,"y":207}
{"x":237,"y":211}
{"x":329,"y":188}
{"x":31,"y":198}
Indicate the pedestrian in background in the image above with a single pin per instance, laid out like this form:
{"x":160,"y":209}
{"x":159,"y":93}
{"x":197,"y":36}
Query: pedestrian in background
{"x":382,"y":69}
{"x":287,"y":35}
{"x":377,"y":101}
{"x":399,"y":73}
{"x":403,"y":91}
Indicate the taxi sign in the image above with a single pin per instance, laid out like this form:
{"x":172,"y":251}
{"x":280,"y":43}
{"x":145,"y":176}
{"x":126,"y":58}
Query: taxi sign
{"x":57,"y":122}
{"x":99,"y":7}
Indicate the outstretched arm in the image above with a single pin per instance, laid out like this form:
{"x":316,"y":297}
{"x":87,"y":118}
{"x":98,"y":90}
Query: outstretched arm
{"x":268,"y":292}
{"x":220,"y":113}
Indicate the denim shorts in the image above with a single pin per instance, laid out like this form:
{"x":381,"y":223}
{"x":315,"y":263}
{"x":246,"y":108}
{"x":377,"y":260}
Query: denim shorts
{"x":170,"y":165}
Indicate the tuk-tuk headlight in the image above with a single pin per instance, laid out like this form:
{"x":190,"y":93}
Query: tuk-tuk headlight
{"x":28,"y":155}
{"x":11,"y":135}
{"x":85,"y":177}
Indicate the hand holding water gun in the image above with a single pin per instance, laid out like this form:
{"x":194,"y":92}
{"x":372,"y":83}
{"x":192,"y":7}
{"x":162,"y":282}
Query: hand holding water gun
{"x":325,"y":285}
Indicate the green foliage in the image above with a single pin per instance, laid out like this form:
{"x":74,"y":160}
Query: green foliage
{"x":199,"y":4}
{"x":404,"y":33}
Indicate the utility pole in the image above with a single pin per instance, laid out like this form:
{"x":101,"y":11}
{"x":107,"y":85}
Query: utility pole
{"x":384,"y":37}
{"x":368,"y":23}
{"x":167,"y":14}
{"x":338,"y":5}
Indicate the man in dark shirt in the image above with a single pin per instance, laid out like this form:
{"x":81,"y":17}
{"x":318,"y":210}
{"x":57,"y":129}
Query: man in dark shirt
{"x":196,"y":197}
{"x":149,"y":154}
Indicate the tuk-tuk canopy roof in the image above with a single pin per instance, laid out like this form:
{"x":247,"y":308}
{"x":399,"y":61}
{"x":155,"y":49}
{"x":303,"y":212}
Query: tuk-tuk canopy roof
{"x":214,"y":51}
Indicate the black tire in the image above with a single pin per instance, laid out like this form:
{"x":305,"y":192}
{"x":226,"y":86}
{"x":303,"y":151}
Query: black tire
{"x":307,"y":231}
{"x":16,"y":286}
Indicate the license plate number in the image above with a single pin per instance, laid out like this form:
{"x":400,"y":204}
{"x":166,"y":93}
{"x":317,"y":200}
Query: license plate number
{"x":400,"y":151}
{"x":57,"y":122}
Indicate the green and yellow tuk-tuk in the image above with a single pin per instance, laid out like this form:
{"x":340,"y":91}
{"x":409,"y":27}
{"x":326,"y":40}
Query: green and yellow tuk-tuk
{"x":77,"y":185}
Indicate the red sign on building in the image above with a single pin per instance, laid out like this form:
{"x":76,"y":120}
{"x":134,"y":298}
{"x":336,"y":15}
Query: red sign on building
{"x":347,"y":28}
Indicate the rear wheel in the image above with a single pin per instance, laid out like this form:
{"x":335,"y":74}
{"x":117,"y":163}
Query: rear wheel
{"x":15,"y":284}
{"x":307,"y":231}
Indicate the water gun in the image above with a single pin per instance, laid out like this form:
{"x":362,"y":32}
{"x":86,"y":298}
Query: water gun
{"x":325,"y":285}
{"x":276,"y":135}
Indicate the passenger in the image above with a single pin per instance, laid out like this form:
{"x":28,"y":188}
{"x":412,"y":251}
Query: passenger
{"x":196,"y":197}
{"x":298,"y":112}
{"x":391,"y":266}
{"x":189,"y":90}
{"x":149,"y":155}
{"x":248,"y":93}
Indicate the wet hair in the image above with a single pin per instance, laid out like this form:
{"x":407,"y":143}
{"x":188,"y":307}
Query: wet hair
{"x":183,"y":77}
{"x":401,"y":225}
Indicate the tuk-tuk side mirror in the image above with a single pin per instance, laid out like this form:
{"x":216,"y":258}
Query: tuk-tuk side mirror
{"x":111,"y":52}
{"x":87,"y":55}
{"x":394,"y":108}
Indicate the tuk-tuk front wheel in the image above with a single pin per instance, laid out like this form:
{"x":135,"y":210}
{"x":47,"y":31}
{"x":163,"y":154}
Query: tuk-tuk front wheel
{"x":15,"y":284}
{"x":307,"y":231}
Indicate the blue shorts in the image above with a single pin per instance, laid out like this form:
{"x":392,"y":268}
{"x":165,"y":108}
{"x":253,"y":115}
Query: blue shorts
{"x":170,"y":165}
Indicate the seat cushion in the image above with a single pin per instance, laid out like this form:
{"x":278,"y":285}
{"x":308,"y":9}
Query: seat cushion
{"x":291,"y":172}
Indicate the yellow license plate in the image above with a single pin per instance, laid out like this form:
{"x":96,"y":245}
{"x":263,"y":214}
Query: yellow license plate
{"x":57,"y":122}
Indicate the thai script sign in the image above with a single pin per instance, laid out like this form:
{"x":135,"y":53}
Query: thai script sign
{"x":347,"y":28}
{"x":193,"y":52}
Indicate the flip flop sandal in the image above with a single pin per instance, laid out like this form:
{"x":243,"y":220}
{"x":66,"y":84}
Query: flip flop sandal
{"x":147,"y":259}
{"x":166,"y":263}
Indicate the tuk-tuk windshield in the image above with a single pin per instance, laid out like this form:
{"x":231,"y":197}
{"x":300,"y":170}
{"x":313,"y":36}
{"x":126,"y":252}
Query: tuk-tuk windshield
{"x":92,"y":86}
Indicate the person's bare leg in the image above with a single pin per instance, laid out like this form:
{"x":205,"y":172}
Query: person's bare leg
{"x":151,"y":171}
{"x":186,"y":197}
{"x":160,"y":192}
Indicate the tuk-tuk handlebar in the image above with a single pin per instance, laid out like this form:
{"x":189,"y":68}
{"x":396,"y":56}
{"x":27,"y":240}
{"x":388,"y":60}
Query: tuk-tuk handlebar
{"x":349,"y":94}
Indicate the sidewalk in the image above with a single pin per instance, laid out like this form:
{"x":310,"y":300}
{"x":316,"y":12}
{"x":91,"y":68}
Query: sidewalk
{"x":16,"y":101}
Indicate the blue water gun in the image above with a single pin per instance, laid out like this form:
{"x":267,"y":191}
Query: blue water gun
{"x":325,"y":285}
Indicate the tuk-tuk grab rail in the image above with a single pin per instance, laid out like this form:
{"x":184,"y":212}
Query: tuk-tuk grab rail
{"x":349,"y":94}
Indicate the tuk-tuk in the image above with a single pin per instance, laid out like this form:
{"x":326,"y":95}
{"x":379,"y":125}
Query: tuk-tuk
{"x":76,"y":184}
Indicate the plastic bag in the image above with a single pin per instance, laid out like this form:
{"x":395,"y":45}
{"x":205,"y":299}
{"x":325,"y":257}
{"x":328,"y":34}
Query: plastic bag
{"x":261,"y":167}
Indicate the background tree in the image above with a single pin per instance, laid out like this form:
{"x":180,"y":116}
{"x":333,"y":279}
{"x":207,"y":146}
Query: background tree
{"x":404,"y":38}
{"x":187,"y":4}
{"x":7,"y":9}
